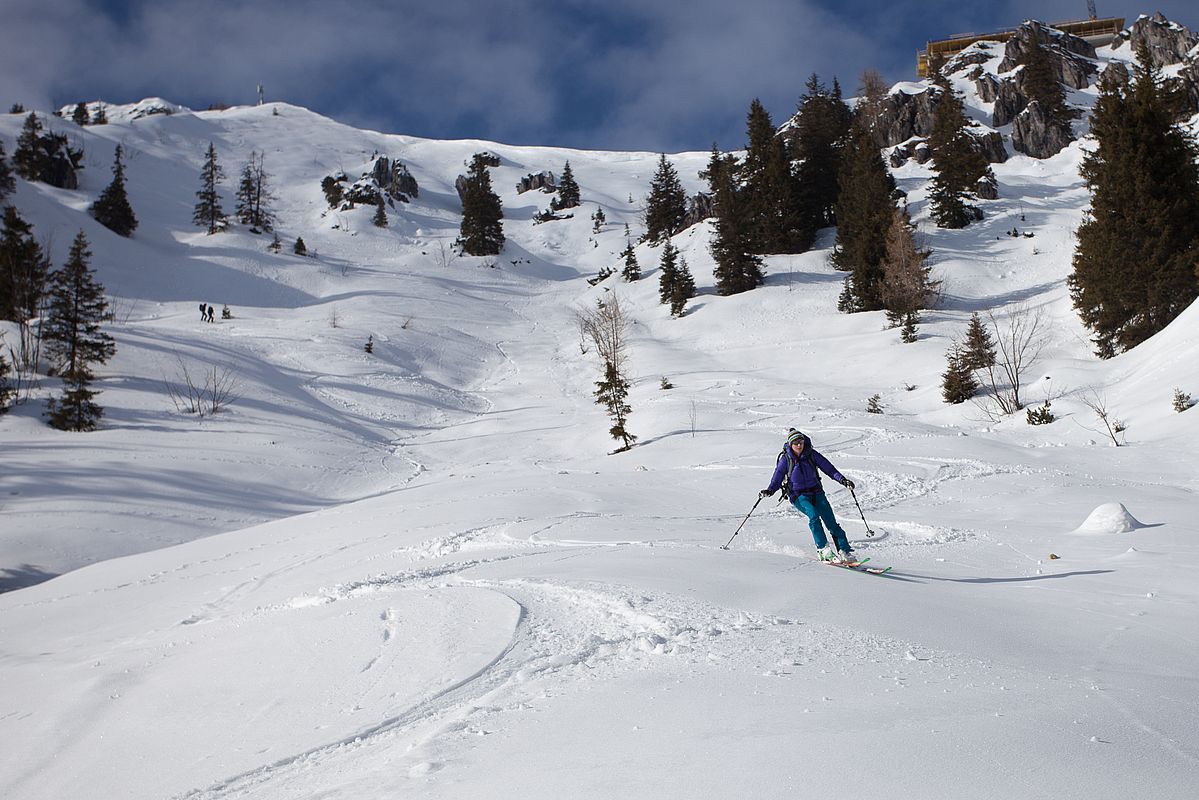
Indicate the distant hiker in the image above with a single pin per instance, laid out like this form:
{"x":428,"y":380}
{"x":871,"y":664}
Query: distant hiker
{"x":212,"y":313}
{"x":796,"y":472}
{"x":203,"y":312}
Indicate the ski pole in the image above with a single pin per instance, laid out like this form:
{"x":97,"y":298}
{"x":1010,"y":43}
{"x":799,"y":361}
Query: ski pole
{"x":869,"y":532}
{"x":725,"y":546}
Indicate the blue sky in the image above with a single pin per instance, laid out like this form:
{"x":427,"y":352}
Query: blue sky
{"x":622,"y":74}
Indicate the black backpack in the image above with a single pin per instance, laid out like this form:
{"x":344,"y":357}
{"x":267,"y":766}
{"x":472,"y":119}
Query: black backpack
{"x":791,"y":462}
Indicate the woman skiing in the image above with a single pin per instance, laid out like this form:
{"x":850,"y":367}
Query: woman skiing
{"x":796,"y":472}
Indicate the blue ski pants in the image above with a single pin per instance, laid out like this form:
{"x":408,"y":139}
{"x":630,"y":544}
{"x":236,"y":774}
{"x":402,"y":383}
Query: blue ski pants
{"x":817,"y":509}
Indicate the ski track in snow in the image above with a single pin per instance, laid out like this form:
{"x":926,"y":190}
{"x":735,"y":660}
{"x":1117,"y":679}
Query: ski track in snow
{"x":569,"y":632}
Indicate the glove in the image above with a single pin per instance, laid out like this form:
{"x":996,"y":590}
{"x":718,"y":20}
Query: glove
{"x":765,"y":493}
{"x":847,"y":483}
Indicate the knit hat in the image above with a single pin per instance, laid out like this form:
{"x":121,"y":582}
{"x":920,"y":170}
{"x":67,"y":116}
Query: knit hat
{"x":794,"y":436}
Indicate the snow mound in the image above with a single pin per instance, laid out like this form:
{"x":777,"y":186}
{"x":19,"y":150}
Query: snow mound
{"x":1109,"y":518}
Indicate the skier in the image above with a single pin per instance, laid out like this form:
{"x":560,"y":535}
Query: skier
{"x":796,"y":472}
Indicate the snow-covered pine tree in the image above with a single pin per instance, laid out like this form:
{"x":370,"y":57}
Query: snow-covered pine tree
{"x":481,"y":232}
{"x":73,"y":338}
{"x":112,"y":209}
{"x":666,"y":206}
{"x":208,"y":213}
{"x":682,"y":289}
{"x":631,"y":270}
{"x":568,"y":191}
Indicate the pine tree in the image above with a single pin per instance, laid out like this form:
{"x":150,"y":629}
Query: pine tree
{"x":905,"y":287}
{"x":612,"y":392}
{"x":112,"y":209}
{"x":73,"y":339}
{"x":821,"y":127}
{"x":771,"y":198}
{"x":481,"y":232}
{"x":253,"y":196}
{"x":380,"y":218}
{"x":865,"y":207}
{"x":737,"y":268}
{"x":568,"y":191}
{"x":1136,"y":251}
{"x":682,"y":288}
{"x":208,"y":212}
{"x":668,"y":267}
{"x":957,"y":163}
{"x":598,"y":220}
{"x":958,"y":383}
{"x":1039,"y":81}
{"x":299,"y":248}
{"x":80,"y":116}
{"x":7,"y":184}
{"x":29,"y":158}
{"x":632,"y":270}
{"x":100,"y":116}
{"x":978,"y":351}
{"x":23,"y":270}
{"x":666,"y":206}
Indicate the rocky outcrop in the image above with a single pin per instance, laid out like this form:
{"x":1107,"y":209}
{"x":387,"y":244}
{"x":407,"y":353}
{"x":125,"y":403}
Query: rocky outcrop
{"x":1168,"y":42}
{"x":987,"y":188}
{"x":977,"y":53}
{"x":699,"y":208}
{"x":903,"y":115}
{"x":543,"y":181}
{"x":915,"y":148}
{"x":394,"y":179}
{"x":1009,"y":101}
{"x":1069,"y":55}
{"x":1034,"y":134}
{"x":990,"y":144}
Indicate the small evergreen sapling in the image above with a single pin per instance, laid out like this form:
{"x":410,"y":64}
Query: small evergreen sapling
{"x":369,"y":347}
{"x":874,"y":404}
{"x":958,"y":383}
{"x":1040,"y":416}
{"x":1182,"y":401}
{"x":299,"y":248}
{"x":380,"y":218}
{"x":632,"y":270}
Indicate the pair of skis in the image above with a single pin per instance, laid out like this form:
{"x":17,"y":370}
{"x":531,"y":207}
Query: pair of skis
{"x":858,"y":566}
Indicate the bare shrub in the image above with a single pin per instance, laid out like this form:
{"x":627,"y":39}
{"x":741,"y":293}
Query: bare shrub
{"x":1019,"y":341}
{"x":214,"y":390}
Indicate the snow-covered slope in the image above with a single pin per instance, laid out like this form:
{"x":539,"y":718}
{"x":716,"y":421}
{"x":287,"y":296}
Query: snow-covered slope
{"x":417,"y":572}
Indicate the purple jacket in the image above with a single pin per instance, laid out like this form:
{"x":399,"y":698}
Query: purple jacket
{"x":804,"y":479}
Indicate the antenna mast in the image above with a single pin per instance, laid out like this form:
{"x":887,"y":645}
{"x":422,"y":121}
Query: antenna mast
{"x":260,"y":85}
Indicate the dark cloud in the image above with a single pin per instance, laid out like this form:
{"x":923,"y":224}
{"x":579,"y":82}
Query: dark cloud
{"x":623,"y":74}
